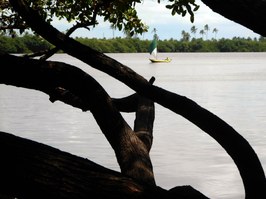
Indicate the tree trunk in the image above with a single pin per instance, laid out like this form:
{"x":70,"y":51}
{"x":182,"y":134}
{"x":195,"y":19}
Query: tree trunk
{"x":236,"y":146}
{"x":21,"y":73}
{"x":72,"y":85}
{"x":32,"y":170}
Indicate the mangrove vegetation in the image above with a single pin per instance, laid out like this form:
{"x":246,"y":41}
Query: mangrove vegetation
{"x":31,"y":43}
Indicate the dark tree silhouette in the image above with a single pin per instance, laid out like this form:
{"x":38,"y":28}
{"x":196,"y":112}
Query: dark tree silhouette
{"x":29,"y":169}
{"x":250,"y":14}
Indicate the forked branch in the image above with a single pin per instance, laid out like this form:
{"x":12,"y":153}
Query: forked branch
{"x":54,"y":78}
{"x":236,"y":146}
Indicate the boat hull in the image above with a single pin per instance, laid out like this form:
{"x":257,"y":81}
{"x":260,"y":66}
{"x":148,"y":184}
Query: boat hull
{"x":167,"y":60}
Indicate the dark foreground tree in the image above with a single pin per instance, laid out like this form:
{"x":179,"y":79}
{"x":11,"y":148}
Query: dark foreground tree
{"x":248,"y":13}
{"x":32,"y":170}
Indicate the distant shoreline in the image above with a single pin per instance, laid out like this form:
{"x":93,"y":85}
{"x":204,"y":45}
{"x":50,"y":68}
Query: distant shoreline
{"x":31,"y":43}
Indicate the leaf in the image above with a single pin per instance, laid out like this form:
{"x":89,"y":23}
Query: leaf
{"x":184,"y":13}
{"x":119,"y":26}
{"x":173,"y":12}
{"x":169,"y":6}
{"x":196,"y":8}
{"x":192,"y":18}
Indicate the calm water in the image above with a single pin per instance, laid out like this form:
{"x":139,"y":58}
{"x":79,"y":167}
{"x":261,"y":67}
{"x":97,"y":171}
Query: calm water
{"x":233,"y":86}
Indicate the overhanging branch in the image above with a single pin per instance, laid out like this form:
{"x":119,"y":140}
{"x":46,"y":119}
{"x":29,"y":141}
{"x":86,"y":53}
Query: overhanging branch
{"x":54,"y":78}
{"x":33,"y":170}
{"x":250,"y":14}
{"x":249,"y":165}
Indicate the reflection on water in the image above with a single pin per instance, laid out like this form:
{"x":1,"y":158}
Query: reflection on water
{"x":232,"y":86}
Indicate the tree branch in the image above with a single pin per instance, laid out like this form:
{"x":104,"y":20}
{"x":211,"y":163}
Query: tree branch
{"x":144,"y":119}
{"x":33,"y":170}
{"x":249,"y":165}
{"x":55,"y":77}
{"x":250,"y":14}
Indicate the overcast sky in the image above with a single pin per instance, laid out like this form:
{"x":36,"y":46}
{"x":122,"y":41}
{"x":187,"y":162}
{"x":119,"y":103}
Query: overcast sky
{"x":157,"y":16}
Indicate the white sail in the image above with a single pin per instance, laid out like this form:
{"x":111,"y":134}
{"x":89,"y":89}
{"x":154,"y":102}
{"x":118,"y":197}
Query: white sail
{"x":154,"y":52}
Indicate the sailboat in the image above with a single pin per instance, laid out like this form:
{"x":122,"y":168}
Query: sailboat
{"x":153,"y":51}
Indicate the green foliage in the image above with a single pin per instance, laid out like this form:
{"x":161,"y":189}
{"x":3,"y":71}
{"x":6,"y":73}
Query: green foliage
{"x":7,"y":45}
{"x":182,"y":7}
{"x":25,"y":44}
{"x":9,"y":20}
{"x":35,"y":43}
{"x":121,"y":14}
{"x":31,"y":43}
{"x":117,"y":45}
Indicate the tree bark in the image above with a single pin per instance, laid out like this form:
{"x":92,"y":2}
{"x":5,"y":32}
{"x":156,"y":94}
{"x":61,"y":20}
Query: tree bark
{"x":144,"y":119}
{"x":236,"y":146}
{"x":53,"y":77}
{"x":33,"y":170}
{"x":19,"y":73}
{"x":249,"y":13}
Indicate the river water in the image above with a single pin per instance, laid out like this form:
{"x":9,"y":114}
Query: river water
{"x":231,"y":85}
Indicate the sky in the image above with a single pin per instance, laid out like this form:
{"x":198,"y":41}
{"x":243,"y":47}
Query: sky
{"x":157,"y":16}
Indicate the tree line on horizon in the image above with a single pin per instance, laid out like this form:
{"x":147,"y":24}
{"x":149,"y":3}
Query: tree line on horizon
{"x":31,"y":43}
{"x":186,"y":36}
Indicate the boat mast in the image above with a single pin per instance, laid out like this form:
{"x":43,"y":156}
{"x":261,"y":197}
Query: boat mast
{"x":155,"y":38}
